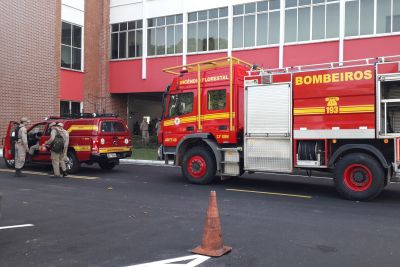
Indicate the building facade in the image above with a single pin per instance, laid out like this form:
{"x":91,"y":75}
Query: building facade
{"x":147,"y":36}
{"x":71,"y":56}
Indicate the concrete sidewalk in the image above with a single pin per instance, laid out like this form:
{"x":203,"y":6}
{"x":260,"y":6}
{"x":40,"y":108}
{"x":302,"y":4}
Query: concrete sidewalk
{"x":133,"y":161}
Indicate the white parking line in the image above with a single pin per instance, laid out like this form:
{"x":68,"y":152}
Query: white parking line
{"x":15,"y":226}
{"x":194,"y":261}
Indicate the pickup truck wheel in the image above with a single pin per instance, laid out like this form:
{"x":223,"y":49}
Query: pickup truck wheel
{"x":105,"y":165}
{"x":359,"y":176}
{"x":73,"y":165}
{"x":10,"y":163}
{"x":199,"y":166}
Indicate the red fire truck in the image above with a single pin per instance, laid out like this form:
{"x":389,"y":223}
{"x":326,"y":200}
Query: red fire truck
{"x":224,"y":117}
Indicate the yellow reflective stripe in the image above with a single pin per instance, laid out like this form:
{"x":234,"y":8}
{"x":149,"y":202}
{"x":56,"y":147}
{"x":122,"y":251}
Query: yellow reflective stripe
{"x":342,"y":110}
{"x":81,"y":148}
{"x":188,"y":119}
{"x":82,"y":128}
{"x":114,"y":149}
{"x":356,"y":109}
{"x":217,"y":116}
{"x":169,"y":122}
{"x":309,"y":111}
{"x":214,"y":116}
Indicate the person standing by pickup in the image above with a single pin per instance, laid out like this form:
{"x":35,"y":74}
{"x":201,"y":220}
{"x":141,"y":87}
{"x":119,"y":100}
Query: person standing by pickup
{"x":21,"y":146}
{"x":57,"y":147}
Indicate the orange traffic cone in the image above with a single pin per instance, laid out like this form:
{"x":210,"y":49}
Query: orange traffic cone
{"x":212,"y":244}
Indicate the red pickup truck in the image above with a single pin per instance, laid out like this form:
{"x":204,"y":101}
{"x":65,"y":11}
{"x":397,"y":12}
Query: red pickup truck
{"x":96,"y":139}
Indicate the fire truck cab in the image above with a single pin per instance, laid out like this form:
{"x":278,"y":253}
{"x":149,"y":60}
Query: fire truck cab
{"x":223,"y":117}
{"x":93,"y":138}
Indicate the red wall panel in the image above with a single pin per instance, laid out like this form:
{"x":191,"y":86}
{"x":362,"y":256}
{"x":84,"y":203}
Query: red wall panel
{"x":305,"y":54}
{"x":203,"y":57}
{"x":371,"y":47}
{"x":263,"y":57}
{"x":71,"y":85}
{"x":126,"y":76}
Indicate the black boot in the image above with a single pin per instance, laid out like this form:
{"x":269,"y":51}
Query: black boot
{"x":64,"y":173}
{"x":18,"y":173}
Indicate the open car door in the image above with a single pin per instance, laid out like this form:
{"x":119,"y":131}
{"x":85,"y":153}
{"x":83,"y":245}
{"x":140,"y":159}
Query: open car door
{"x":8,"y":145}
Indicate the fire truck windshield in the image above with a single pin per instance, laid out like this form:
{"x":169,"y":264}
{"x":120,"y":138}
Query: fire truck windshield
{"x":180,"y":104}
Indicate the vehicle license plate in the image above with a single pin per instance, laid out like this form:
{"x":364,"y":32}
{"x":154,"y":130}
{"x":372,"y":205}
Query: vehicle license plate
{"x":111,"y":155}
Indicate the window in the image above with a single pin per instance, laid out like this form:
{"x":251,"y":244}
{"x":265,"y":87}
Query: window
{"x":112,"y":127}
{"x":307,"y":20}
{"x":35,"y":134}
{"x":68,"y":108}
{"x":216,"y":99}
{"x":165,"y":35}
{"x":37,"y":130}
{"x":180,"y":104}
{"x":126,"y":39}
{"x":208,"y":30}
{"x":71,"y":46}
{"x":256,"y":24}
{"x":388,"y":16}
{"x":360,"y":15}
{"x":383,"y":19}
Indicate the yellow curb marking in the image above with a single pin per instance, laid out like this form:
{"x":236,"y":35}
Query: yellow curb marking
{"x":270,"y":193}
{"x":46,"y":174}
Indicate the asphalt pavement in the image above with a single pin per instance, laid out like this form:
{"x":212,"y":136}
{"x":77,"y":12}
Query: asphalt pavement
{"x":137,"y":214}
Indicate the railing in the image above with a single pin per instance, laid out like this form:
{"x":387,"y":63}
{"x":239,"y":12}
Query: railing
{"x":347,"y":63}
{"x":206,"y":64}
{"x":81,"y":115}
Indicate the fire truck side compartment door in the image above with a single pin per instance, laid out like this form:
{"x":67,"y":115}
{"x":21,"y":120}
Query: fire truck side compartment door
{"x":268,"y":142}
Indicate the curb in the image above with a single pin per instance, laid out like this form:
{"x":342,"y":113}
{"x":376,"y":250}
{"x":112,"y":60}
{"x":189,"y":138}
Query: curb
{"x":133,"y":161}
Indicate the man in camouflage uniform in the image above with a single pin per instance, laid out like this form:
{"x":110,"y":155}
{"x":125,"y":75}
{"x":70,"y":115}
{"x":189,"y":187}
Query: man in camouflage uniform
{"x":57,"y":159}
{"x":144,"y":127}
{"x":64,"y":157}
{"x":21,"y":147}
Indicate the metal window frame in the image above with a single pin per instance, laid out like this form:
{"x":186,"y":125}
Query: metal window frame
{"x":376,"y":17}
{"x":311,"y":6}
{"x":71,"y":47}
{"x":165,"y":26}
{"x":207,"y":20}
{"x":127,"y":31}
{"x":255,"y":13}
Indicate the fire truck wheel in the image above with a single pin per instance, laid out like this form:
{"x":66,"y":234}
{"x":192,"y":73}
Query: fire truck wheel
{"x":73,"y":165}
{"x":10,"y":163}
{"x":359,"y":177}
{"x":105,"y":165}
{"x":199,"y":166}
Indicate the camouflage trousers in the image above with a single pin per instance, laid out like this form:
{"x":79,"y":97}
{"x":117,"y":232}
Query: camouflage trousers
{"x":57,"y":160}
{"x":20,"y":154}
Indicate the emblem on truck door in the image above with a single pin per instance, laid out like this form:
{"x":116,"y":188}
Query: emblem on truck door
{"x":177,"y":121}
